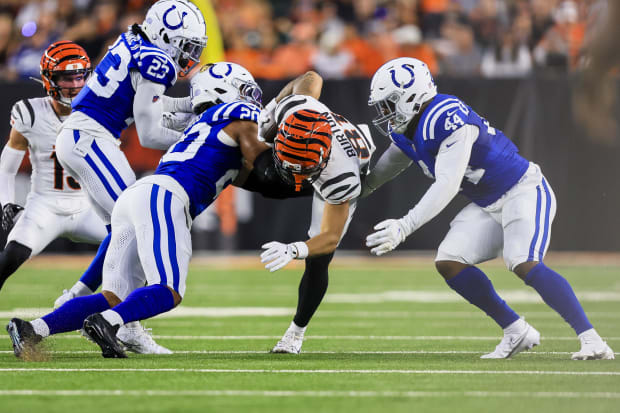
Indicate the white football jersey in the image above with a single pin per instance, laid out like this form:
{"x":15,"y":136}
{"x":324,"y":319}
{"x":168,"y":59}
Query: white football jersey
{"x":352,"y":147}
{"x":36,"y":120}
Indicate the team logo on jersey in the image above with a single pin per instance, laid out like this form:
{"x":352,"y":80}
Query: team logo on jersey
{"x":173,"y":26}
{"x":409,"y":69}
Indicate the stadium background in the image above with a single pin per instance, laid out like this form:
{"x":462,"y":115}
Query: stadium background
{"x":515,"y":61}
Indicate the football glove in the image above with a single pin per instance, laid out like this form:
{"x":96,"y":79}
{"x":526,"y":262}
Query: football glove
{"x":177,"y":121}
{"x":277,"y":254}
{"x":9,"y":211}
{"x":387,"y":236}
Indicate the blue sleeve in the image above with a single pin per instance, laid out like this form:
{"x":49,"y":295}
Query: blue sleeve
{"x":245,"y":111}
{"x":226,"y":112}
{"x":157,"y":67}
{"x":449,"y":118}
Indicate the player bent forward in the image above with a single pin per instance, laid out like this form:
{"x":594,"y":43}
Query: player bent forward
{"x":151,"y":220}
{"x":512,"y":206}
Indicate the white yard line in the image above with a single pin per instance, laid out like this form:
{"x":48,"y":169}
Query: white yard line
{"x":313,"y":393}
{"x":317,"y":371}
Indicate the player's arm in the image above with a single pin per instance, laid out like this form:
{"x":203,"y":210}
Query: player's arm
{"x":450,"y":166}
{"x":391,"y":163}
{"x":309,"y":84}
{"x":10,"y":160}
{"x":277,"y":255}
{"x":147,"y":111}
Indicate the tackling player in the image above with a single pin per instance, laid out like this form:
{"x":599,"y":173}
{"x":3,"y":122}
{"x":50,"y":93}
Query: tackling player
{"x":128,"y":86}
{"x":56,"y":205}
{"x":151,"y":221}
{"x":512,"y":206}
{"x":313,"y":144}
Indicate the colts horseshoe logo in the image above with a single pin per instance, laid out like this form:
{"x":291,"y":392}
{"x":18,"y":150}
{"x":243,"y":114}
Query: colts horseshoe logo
{"x":173,"y":26}
{"x":409,"y":69}
{"x":215,"y":75}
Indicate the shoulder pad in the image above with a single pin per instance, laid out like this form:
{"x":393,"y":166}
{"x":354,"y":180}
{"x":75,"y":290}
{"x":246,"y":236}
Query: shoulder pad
{"x":444,"y":118}
{"x":156,"y":66}
{"x":340,"y":188}
{"x":233,"y":111}
{"x":22,"y":116}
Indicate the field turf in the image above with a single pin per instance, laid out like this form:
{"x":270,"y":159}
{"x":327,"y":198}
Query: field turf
{"x":389,"y":337}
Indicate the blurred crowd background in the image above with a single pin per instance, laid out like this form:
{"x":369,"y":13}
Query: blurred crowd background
{"x":278,"y":39}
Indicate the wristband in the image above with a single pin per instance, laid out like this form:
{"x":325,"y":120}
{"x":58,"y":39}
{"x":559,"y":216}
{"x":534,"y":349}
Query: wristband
{"x":300,"y":250}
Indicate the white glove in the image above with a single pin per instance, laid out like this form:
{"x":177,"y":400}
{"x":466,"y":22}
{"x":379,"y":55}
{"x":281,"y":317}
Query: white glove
{"x":388,"y":235}
{"x":277,"y":254}
{"x":267,"y":127}
{"x":177,"y":121}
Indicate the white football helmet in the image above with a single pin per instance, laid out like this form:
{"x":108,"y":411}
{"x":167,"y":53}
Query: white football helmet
{"x":224,"y":82}
{"x":178,"y":28}
{"x":397,"y":90}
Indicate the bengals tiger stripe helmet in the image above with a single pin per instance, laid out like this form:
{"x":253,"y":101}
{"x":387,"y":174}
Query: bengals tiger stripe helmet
{"x":302,"y":147}
{"x":63,"y":58}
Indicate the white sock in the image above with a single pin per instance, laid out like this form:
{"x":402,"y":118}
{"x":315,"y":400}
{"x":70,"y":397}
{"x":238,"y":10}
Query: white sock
{"x":516,"y":327}
{"x":298,"y":330}
{"x":589,"y":334}
{"x":113,"y":317}
{"x":40,"y":327}
{"x":80,"y":289}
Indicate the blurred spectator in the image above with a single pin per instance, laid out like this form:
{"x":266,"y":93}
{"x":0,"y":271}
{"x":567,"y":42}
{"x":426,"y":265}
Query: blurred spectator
{"x":511,"y":58}
{"x":409,"y":40}
{"x":294,"y":57}
{"x":332,"y":61}
{"x":462,"y":56}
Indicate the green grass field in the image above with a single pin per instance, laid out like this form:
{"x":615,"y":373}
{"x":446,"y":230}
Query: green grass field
{"x":390,"y":336}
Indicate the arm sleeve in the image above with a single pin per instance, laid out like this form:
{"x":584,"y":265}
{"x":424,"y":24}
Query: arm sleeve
{"x":9,"y":164}
{"x":183,"y":105}
{"x":391,"y":163}
{"x":147,"y":112}
{"x":450,"y":166}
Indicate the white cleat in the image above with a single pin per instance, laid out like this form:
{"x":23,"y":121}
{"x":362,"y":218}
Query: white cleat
{"x":518,"y":336}
{"x":593,"y":347}
{"x":290,"y":343}
{"x":139,"y":340}
{"x":67,"y":295}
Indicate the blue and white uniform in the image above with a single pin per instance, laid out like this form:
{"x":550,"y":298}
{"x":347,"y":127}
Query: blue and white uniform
{"x":152,"y":219}
{"x":512,"y":206}
{"x":133,"y":74}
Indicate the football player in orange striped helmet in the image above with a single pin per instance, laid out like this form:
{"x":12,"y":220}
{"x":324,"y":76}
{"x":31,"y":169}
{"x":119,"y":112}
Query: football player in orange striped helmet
{"x":302,"y":147}
{"x":65,"y":67}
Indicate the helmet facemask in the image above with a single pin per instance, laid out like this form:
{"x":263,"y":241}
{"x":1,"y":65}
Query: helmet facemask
{"x":188,"y":51}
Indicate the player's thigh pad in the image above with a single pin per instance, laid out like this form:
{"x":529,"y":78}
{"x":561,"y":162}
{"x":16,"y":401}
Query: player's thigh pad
{"x":87,"y":227}
{"x":527,"y":215}
{"x":318,"y":206}
{"x":99,"y":166}
{"x":163,"y":235}
{"x":474,"y":237}
{"x":38,"y":225}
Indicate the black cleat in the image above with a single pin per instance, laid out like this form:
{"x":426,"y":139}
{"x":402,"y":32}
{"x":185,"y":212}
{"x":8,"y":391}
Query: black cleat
{"x":104,"y":334}
{"x":23,"y":336}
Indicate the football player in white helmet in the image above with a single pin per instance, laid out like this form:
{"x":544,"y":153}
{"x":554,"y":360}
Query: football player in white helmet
{"x":127,"y":87}
{"x":511,"y":210}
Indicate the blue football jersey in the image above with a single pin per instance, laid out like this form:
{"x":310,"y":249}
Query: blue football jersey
{"x":108,"y":94}
{"x":206,"y":160}
{"x":495,"y":165}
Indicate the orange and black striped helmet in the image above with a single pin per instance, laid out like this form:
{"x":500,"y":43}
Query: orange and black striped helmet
{"x":302,"y":146}
{"x":63,"y":58}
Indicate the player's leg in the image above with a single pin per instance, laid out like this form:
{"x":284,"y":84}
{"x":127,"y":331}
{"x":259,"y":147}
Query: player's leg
{"x":475,"y":236}
{"x":312,"y":286}
{"x":164,"y":249}
{"x":528,"y":216}
{"x":104,"y":173}
{"x":36,"y":228}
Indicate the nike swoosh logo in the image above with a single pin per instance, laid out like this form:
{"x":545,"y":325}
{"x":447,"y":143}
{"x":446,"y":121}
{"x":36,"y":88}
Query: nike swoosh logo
{"x":447,"y":146}
{"x":452,"y":113}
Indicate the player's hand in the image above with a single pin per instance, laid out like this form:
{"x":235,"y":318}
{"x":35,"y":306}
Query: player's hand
{"x":9,"y":211}
{"x":277,"y":255}
{"x":177,"y":121}
{"x":387,"y":236}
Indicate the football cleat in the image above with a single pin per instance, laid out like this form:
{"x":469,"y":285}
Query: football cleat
{"x":104,"y":334}
{"x":67,"y":295}
{"x":519,"y":336}
{"x":593,"y":347}
{"x":138,"y":339}
{"x":23,"y":336}
{"x":290,"y":343}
